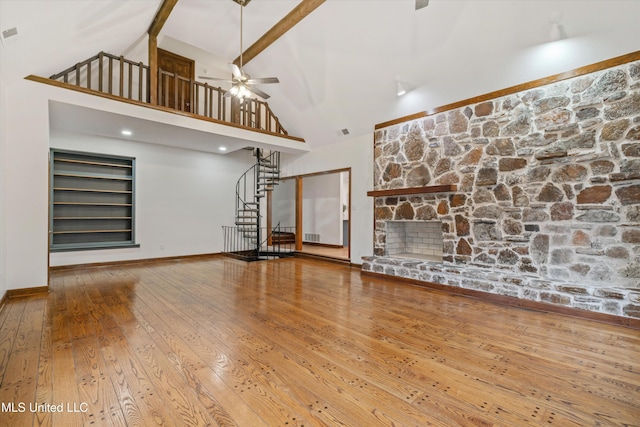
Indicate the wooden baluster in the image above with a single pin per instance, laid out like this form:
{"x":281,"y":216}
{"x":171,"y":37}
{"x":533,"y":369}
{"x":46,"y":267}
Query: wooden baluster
{"x":159,"y":89}
{"x":110,"y":76}
{"x":259,"y":115}
{"x":269,"y":120}
{"x":130,"y":85}
{"x":148,"y":84}
{"x":222,"y":107}
{"x":121,"y":76}
{"x":89,"y":75}
{"x":166,"y":81}
{"x":207,"y":97}
{"x":175,"y":92}
{"x":140,"y":80}
{"x":100,"y":71}
{"x":195,"y":98}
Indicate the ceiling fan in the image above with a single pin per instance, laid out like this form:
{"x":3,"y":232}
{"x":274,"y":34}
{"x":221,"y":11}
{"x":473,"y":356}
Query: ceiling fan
{"x":241,"y":83}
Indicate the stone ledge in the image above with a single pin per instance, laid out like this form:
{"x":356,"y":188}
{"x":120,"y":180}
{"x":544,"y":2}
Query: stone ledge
{"x":614,"y":301}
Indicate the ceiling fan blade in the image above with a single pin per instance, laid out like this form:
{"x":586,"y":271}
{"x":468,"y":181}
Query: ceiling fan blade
{"x":258,"y":92}
{"x":235,"y":70}
{"x":263,"y":81}
{"x":214,"y":78}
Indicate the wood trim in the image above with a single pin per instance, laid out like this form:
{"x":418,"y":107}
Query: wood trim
{"x":161,"y":17}
{"x":629,"y":322}
{"x":63,"y":85}
{"x":304,"y":8}
{"x":153,"y":70}
{"x":307,"y":175}
{"x":154,"y":30}
{"x":588,"y":69}
{"x":25,"y":292}
{"x":298,"y":213}
{"x":414,"y":190}
{"x":323,"y":245}
{"x":138,"y":261}
{"x":299,"y":179}
{"x":399,"y":120}
{"x":325,"y":258}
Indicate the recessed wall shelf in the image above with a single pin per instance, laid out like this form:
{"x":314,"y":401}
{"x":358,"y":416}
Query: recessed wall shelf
{"x":92,"y":201}
{"x":448,"y":188}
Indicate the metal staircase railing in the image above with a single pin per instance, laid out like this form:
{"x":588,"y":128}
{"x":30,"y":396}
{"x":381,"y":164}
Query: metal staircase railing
{"x":249,"y":240}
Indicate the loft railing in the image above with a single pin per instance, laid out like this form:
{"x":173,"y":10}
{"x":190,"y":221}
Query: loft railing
{"x":127,"y":79}
{"x":110,"y":74}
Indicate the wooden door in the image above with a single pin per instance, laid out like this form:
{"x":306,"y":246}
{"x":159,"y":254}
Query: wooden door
{"x":175,"y":92}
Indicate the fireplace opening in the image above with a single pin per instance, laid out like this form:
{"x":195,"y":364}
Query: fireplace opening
{"x":414,"y":239}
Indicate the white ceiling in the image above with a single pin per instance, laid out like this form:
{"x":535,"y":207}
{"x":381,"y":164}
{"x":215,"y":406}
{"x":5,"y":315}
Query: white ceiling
{"x":338,"y":66}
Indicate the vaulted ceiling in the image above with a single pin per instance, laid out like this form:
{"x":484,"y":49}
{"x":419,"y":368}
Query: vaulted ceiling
{"x":338,"y":67}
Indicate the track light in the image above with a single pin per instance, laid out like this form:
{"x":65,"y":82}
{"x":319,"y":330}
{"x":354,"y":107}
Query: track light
{"x":401,"y":88}
{"x":557,"y":29}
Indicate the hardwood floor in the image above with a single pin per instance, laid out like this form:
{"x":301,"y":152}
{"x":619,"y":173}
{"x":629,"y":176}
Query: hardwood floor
{"x":330,"y":252}
{"x":300,"y":342}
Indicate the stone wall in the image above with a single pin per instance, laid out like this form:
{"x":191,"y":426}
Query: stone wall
{"x":548,"y":200}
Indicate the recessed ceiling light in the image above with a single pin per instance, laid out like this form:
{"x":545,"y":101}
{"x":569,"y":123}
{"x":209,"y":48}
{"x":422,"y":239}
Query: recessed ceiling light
{"x":127,"y":132}
{"x":222,"y":148}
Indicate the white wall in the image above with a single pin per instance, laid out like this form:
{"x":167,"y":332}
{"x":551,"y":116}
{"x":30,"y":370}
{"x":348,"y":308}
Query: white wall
{"x":345,"y":194}
{"x":25,"y":172}
{"x":183,"y":198}
{"x":321,"y":208}
{"x":357,"y":154}
{"x":207,"y":183}
{"x":284,"y":203}
{"x":3,"y":166}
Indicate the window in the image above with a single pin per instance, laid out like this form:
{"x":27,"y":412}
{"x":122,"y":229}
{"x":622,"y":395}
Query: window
{"x":92,"y":201}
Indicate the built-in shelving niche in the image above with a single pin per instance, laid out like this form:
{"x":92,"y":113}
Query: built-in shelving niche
{"x":92,"y":201}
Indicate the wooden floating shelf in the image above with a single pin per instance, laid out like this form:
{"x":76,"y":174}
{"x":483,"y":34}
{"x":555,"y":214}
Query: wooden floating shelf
{"x":76,"y":218}
{"x":91,"y":204}
{"x":91,"y":231}
{"x":86,"y":162}
{"x":94,"y":190}
{"x":75,"y":175}
{"x":449,"y":188}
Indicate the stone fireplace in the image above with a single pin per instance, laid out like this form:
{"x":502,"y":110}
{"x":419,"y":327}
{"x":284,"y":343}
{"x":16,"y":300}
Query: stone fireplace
{"x":536,"y":193}
{"x":414,"y":239}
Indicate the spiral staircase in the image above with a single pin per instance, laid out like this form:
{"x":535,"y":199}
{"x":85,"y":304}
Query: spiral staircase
{"x":249,"y":240}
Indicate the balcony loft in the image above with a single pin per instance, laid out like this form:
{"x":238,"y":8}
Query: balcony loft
{"x":119,"y":79}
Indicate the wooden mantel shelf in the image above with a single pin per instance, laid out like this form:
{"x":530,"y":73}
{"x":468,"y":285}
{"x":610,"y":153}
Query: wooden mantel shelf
{"x":414,"y":190}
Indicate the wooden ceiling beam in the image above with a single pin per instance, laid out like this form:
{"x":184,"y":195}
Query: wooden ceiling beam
{"x":158,"y":22}
{"x":304,"y":8}
{"x":161,"y":17}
